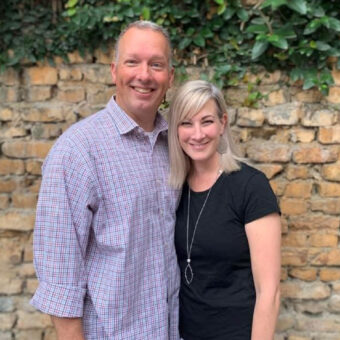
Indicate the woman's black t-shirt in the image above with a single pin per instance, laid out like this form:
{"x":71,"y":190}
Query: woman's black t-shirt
{"x":219,"y":302}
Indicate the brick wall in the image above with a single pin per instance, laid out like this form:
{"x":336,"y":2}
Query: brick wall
{"x":293,"y":136}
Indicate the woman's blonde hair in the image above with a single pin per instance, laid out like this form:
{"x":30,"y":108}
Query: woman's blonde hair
{"x":188,"y":101}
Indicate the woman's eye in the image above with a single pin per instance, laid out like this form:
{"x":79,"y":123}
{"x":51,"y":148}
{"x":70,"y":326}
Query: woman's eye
{"x":185,"y":123}
{"x":207,"y":122}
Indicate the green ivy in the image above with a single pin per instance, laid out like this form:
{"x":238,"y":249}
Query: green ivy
{"x":298,"y":36}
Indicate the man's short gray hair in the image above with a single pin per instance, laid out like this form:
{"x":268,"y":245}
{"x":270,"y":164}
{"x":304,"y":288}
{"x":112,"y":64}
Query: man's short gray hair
{"x":145,"y":25}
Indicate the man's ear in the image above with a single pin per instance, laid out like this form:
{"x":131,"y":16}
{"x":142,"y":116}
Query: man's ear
{"x":113,"y":72}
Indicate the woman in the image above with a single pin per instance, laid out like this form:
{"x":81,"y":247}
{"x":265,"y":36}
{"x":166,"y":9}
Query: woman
{"x":228,"y":225}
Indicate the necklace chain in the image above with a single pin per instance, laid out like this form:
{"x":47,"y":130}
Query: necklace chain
{"x":188,"y":272}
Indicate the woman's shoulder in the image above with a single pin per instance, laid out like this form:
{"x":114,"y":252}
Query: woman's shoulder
{"x":245,"y":173}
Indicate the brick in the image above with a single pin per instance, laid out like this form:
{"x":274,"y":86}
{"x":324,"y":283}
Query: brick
{"x":29,"y":149}
{"x":334,"y":95}
{"x":286,"y":114}
{"x":297,"y":172}
{"x":7,"y":186}
{"x":276,"y":98}
{"x":334,"y":303}
{"x":6,"y":114}
{"x":13,"y":253}
{"x":304,"y":274}
{"x":285,"y":322}
{"x":305,"y":290}
{"x":290,"y":206}
{"x":284,"y":225}
{"x":9,"y":94}
{"x":46,"y":131}
{"x":336,"y":76}
{"x":278,"y":186}
{"x":312,"y":324}
{"x":4,"y":202}
{"x":268,"y":152}
{"x":295,"y":239}
{"x":15,"y":132}
{"x":236,"y":96}
{"x":98,"y":74}
{"x":7,"y":321}
{"x":327,"y":258}
{"x":71,"y":95}
{"x":284,"y":274}
{"x":294,"y":257}
{"x":328,"y":206}
{"x":31,"y":285}
{"x":311,"y":307}
{"x":301,"y":189}
{"x":6,"y":304}
{"x":28,"y":250}
{"x":250,"y":117}
{"x":298,"y":337}
{"x":298,"y":135}
{"x":26,"y":270}
{"x":270,"y":170}
{"x":43,"y":113}
{"x":29,"y":334}
{"x":42,"y":75}
{"x":76,"y":58}
{"x":24,"y":200}
{"x":263,"y":77}
{"x":329,"y":274}
{"x":10,"y":286}
{"x":314,"y":154}
{"x":50,"y":334}
{"x":11,"y":166}
{"x":103,"y":57}
{"x":331,"y":172}
{"x":319,"y":118}
{"x":33,"y":167}
{"x":312,"y":221}
{"x":98,"y":95}
{"x":309,"y":96}
{"x":328,"y":189}
{"x":323,"y":240}
{"x":9,"y":77}
{"x":329,"y":135}
{"x":17,"y":221}
{"x":67,"y":73}
{"x":32,"y":320}
{"x":38,"y":93}
{"x":35,"y":187}
{"x":336,"y":287}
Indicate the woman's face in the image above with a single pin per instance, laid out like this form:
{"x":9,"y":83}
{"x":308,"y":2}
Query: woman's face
{"x":200,"y":135}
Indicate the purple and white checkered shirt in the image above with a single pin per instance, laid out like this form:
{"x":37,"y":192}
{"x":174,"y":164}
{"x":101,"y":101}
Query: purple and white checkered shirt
{"x":104,"y":234}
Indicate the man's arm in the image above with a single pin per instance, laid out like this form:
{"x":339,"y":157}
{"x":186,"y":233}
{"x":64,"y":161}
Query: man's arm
{"x":68,"y":328}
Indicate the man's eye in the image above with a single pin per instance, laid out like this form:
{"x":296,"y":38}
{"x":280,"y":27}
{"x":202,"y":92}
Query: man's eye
{"x":157,"y":65}
{"x":131,"y":62}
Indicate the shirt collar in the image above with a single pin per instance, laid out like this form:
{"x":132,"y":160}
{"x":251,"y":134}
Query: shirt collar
{"x":125,"y":123}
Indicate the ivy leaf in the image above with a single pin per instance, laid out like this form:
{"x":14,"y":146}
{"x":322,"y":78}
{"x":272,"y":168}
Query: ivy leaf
{"x":185,"y":42}
{"x":219,"y":2}
{"x":258,"y":29}
{"x":199,"y":41}
{"x":280,"y":43}
{"x":273,"y":3}
{"x":334,"y":24}
{"x":322,"y":46}
{"x":259,"y":48}
{"x":312,"y":26}
{"x":299,"y":6}
{"x":296,"y":74}
{"x":286,"y":31}
{"x":242,"y":14}
{"x":71,"y":3}
{"x":146,"y":13}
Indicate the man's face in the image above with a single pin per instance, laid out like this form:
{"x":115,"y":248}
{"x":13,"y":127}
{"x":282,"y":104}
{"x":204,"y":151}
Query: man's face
{"x":142,"y":74}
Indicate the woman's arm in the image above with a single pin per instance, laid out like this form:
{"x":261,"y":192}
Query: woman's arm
{"x":264,"y":237}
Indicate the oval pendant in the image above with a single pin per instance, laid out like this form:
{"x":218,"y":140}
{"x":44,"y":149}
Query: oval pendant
{"x":188,"y":274}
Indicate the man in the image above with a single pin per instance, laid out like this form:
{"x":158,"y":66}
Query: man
{"x":103,"y":241}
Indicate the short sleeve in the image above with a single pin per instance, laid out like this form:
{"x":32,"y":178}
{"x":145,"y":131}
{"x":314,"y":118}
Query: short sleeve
{"x":259,"y":199}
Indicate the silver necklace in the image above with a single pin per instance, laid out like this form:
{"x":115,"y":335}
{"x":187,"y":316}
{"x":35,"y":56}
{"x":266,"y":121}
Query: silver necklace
{"x":188,"y":272}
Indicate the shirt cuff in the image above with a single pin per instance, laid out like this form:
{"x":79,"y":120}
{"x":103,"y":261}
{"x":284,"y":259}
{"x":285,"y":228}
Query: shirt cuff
{"x":59,"y":300}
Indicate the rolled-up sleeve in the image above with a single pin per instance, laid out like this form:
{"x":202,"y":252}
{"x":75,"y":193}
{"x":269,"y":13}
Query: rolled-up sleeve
{"x":67,"y":202}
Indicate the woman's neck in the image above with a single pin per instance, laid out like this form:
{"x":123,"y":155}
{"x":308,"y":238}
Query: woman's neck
{"x":203,"y":176}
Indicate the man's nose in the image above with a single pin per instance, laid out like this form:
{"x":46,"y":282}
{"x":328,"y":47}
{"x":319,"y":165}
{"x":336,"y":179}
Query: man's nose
{"x":143,"y":72}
